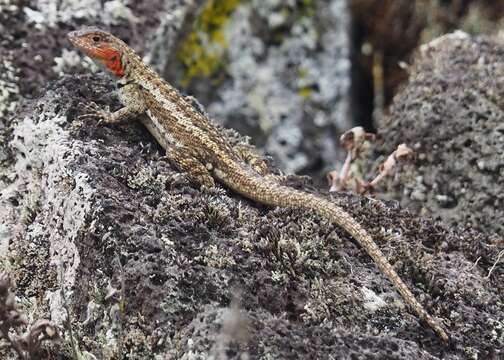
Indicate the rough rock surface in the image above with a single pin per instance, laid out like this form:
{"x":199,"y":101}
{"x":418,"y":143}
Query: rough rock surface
{"x":451,"y":113}
{"x":154,"y":268}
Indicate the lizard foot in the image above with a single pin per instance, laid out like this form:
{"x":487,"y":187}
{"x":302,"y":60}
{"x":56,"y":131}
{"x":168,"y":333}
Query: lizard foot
{"x":93,"y":111}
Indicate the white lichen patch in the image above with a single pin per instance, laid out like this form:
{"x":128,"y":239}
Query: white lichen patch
{"x":372,"y":301}
{"x":8,"y":6}
{"x":42,"y":153}
{"x":117,"y":10}
{"x":47,"y":13}
{"x":456,"y":36}
{"x":218,"y":258}
{"x":68,"y":58}
{"x":145,"y":178}
{"x":8,"y":87}
{"x":273,"y":87}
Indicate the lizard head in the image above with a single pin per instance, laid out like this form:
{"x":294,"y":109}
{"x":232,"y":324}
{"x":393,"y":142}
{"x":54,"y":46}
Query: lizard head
{"x":100,"y":46}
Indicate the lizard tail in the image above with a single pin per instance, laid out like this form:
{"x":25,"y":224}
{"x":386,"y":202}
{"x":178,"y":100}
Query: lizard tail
{"x":270,"y":193}
{"x":348,"y":223}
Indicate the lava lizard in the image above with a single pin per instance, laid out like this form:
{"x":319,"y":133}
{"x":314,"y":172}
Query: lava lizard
{"x":196,"y":146}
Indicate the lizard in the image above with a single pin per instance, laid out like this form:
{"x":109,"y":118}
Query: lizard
{"x":194,"y":145}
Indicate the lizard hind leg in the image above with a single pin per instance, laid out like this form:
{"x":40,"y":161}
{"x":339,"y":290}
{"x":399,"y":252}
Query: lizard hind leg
{"x":194,"y":169}
{"x":253,"y":159}
{"x":249,"y":155}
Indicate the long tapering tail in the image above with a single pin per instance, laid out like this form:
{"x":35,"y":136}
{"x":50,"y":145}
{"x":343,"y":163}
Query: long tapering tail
{"x":270,"y":193}
{"x":347,"y":222}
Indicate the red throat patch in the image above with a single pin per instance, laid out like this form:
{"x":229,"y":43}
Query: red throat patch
{"x":112,"y":60}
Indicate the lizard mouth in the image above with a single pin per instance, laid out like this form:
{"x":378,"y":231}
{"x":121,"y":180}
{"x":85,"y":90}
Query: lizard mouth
{"x":75,"y":37}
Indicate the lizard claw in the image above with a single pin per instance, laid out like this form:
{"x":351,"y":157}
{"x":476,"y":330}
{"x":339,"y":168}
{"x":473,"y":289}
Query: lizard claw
{"x":93,"y":111}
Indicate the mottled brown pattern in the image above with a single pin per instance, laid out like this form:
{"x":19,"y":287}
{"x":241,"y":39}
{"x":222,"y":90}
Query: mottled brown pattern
{"x":197,"y":147}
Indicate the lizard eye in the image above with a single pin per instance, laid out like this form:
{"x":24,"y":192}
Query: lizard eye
{"x":96,"y":38}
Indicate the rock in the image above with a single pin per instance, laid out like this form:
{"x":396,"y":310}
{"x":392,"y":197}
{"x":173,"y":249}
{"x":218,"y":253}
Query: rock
{"x":153,"y":267}
{"x":451,"y":113}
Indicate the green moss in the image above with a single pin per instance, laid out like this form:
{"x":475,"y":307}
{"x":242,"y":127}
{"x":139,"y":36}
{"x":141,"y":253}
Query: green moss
{"x":203,"y":51}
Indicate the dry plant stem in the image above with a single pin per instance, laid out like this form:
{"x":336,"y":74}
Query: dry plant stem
{"x":376,"y":180}
{"x":26,"y":345}
{"x":10,"y":315}
{"x":122,"y":308}
{"x":389,"y":166}
{"x":345,"y":170}
{"x":68,"y":322}
{"x":475,"y":264}
{"x":332,"y":178}
{"x":352,"y":141}
{"x":495,"y":264}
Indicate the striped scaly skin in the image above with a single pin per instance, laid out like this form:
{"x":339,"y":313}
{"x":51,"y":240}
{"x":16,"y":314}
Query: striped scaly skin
{"x":195,"y":146}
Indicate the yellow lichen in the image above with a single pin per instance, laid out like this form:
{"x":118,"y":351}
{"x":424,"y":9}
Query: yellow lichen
{"x":308,"y":7}
{"x":203,"y":51}
{"x":305,"y":92}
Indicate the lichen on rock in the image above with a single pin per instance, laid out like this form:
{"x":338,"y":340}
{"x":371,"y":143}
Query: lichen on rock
{"x":203,"y":50}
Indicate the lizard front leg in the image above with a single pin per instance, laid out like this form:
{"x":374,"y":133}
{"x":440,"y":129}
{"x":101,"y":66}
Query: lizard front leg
{"x":134,"y":105}
{"x":195,"y":170}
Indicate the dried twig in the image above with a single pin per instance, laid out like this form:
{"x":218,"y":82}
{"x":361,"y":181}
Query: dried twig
{"x":27,"y":346}
{"x":495,"y":264}
{"x":68,"y":322}
{"x":388,"y":167}
{"x":353,"y":142}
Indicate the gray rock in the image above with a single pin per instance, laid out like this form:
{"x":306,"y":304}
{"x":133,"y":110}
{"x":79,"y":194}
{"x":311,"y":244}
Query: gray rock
{"x":451,"y":113}
{"x":157,"y":268}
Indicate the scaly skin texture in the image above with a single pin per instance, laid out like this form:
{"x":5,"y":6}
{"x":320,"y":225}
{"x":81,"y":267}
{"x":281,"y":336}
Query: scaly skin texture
{"x":195,"y":146}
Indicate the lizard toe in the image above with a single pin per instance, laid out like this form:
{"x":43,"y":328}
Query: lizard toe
{"x":93,"y":111}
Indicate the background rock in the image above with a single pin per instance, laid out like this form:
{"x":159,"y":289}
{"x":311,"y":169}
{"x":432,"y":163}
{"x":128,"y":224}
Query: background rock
{"x":382,"y":49}
{"x":451,"y":113}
